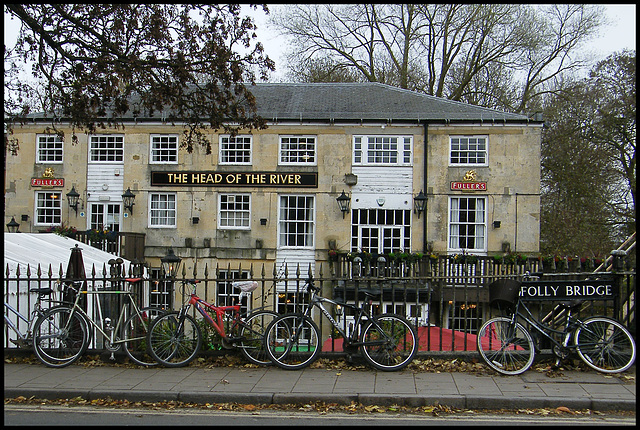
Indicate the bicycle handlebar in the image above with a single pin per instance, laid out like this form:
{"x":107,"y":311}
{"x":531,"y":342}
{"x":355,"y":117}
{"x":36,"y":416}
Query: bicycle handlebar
{"x":190,"y":281}
{"x":311,"y":286}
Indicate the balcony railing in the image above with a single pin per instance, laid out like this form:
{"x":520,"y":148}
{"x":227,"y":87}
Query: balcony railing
{"x":129,"y":246}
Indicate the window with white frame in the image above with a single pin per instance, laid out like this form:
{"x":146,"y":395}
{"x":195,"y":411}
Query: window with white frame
{"x":296,"y":221}
{"x":106,"y":148}
{"x":383,"y":150}
{"x":235,"y":150}
{"x":49,"y":149}
{"x":298,"y":150}
{"x":104,"y":216}
{"x":380,"y":230}
{"x":48,"y":208}
{"x":467,"y":224}
{"x":235,"y":211}
{"x":164,"y":148}
{"x":468,"y":150}
{"x":162,"y":210}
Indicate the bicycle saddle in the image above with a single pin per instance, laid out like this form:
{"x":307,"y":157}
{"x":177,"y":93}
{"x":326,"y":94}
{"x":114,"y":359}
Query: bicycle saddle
{"x":573,"y":305}
{"x":41,"y":291}
{"x":369,"y":292}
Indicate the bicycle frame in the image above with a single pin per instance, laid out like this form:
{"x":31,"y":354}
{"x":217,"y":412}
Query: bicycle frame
{"x":570,"y":325}
{"x":22,"y":337}
{"x":114,"y":343}
{"x":220,"y":311}
{"x":25,"y":338}
{"x":361,"y":314}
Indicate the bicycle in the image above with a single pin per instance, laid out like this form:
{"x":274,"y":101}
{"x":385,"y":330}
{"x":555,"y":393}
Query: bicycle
{"x":507,"y":346}
{"x":68,"y":327}
{"x":25,"y":340}
{"x":176,"y":338}
{"x":388,"y":341}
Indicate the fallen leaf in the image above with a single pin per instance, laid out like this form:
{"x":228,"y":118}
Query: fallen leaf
{"x":564,"y":409}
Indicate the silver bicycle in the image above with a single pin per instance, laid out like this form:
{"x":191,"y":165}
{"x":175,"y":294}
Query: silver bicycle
{"x":70,"y":331}
{"x":66,"y":329}
{"x":25,"y":340}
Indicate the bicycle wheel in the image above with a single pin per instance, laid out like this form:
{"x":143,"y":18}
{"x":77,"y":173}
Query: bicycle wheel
{"x":174,"y":340}
{"x":390,"y":342}
{"x":505,"y":348}
{"x":292,"y":341}
{"x":60,"y":337}
{"x":605,"y":345}
{"x":251,"y":332}
{"x":134,"y":335}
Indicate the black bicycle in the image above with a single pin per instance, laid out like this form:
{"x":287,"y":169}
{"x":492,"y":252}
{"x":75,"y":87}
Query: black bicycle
{"x":506,"y":345}
{"x":387,"y":341}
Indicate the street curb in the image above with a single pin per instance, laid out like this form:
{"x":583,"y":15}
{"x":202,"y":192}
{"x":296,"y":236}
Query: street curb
{"x":211,"y":397}
{"x":460,"y":402}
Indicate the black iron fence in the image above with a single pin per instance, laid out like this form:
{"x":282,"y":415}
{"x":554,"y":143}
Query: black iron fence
{"x":447,"y":298}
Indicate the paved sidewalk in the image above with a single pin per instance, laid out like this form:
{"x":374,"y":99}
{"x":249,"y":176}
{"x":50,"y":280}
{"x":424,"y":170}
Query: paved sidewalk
{"x":271,"y":385}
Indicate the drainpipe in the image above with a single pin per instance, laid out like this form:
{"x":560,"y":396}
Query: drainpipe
{"x":515,"y":235}
{"x":424,"y":184}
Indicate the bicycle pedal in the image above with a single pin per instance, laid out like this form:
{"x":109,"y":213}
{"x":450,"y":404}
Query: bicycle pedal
{"x":19,"y":343}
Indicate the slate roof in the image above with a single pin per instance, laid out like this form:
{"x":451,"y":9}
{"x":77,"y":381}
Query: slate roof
{"x":348,"y":102}
{"x":364,"y":101}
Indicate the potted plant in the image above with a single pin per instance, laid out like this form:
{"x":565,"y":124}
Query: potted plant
{"x":63,"y":230}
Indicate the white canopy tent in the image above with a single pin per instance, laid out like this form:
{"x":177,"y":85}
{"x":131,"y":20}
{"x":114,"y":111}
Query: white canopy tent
{"x":51,"y":250}
{"x":46,"y":252}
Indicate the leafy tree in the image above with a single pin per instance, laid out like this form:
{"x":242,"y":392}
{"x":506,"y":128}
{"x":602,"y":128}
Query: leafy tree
{"x":612,"y":126}
{"x":495,"y":55}
{"x":588,"y":161}
{"x":321,"y":70}
{"x":185,"y":64}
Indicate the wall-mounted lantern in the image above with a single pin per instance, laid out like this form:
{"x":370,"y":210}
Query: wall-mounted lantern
{"x":13,"y":226}
{"x":127,"y":200}
{"x":73,"y":198}
{"x":344,"y":201}
{"x":419,"y":203}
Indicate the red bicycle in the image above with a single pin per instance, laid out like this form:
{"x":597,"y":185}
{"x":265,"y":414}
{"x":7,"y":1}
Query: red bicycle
{"x":176,"y":338}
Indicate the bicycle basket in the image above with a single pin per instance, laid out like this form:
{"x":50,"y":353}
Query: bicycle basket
{"x":503,"y":293}
{"x":245,"y":286}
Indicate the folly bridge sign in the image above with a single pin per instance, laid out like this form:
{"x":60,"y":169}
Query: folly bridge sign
{"x":600,"y":289}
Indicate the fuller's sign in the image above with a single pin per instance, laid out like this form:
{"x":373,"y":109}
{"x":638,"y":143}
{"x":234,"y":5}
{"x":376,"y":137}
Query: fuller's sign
{"x":468,"y":186}
{"x":248,"y":179}
{"x":47,"y":182}
{"x":469,"y":183}
{"x":601,"y":289}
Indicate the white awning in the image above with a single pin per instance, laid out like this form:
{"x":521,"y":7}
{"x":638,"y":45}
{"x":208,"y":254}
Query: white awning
{"x":51,"y":250}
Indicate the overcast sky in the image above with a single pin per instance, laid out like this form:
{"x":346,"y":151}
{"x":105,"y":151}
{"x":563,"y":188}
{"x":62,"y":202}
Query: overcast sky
{"x":619,"y":34}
